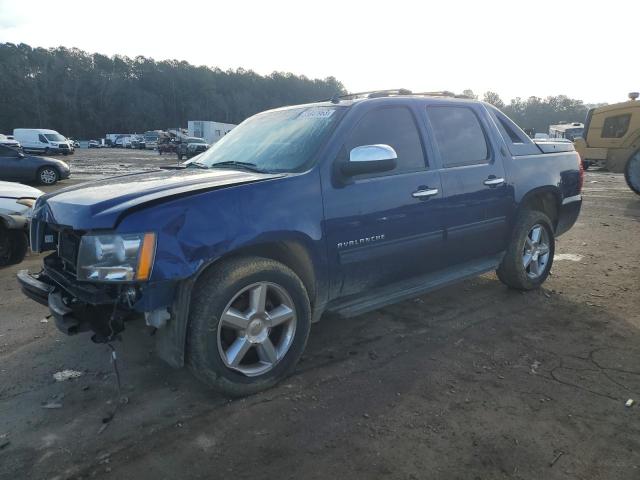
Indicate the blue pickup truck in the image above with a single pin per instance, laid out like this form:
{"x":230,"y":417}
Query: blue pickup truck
{"x":340,"y":206}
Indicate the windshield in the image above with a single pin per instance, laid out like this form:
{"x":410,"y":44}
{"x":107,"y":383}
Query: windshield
{"x":277,"y":141}
{"x":54,"y":137}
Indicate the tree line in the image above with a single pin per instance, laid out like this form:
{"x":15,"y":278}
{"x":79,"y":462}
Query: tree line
{"x":84,"y":95}
{"x":535,"y":113}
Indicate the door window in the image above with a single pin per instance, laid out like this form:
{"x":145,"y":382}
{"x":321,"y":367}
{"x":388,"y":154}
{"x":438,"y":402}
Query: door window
{"x":616,"y":127}
{"x":42,"y":138}
{"x":459,"y":136}
{"x":393,"y":126}
{"x":7,"y":152}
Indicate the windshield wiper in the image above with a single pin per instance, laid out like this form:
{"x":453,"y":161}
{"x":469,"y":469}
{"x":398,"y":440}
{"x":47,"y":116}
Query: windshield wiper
{"x":198,"y":165}
{"x":232,"y":163}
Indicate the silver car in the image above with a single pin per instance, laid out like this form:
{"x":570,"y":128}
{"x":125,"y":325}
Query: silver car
{"x":16,"y":201}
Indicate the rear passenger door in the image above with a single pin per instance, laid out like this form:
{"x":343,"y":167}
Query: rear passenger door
{"x":478,"y":198}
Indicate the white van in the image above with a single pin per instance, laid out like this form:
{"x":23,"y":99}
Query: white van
{"x":42,"y":140}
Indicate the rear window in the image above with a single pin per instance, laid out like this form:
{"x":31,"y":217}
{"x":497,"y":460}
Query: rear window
{"x":459,"y":136}
{"x":616,"y":127}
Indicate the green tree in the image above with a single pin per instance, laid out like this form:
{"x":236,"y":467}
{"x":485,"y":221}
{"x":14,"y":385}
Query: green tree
{"x":86,"y":95}
{"x":494,"y":99}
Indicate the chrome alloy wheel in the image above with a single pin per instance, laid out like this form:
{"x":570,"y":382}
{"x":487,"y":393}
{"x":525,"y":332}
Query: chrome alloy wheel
{"x":48,"y":176}
{"x":256,"y":328}
{"x":536,"y":251}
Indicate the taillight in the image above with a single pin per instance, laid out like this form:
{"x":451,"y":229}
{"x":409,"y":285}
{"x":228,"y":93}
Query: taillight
{"x":581,"y":174}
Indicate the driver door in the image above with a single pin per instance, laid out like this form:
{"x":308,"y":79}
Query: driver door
{"x":381,"y":227}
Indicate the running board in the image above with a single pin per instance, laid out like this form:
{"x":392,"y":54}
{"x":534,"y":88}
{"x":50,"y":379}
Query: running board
{"x":414,"y":287}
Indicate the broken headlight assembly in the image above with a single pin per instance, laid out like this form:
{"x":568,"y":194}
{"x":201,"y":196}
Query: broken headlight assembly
{"x":116,"y":257}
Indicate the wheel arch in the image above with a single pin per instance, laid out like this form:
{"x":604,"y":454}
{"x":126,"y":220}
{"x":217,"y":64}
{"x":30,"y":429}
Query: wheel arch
{"x":171,"y":341}
{"x":544,"y":199}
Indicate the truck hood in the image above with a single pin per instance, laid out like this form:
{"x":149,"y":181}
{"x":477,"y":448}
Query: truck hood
{"x":100,"y":204}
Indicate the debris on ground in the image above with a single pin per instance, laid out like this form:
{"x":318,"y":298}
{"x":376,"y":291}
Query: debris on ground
{"x":555,"y":459}
{"x":629,"y":403}
{"x":574,"y":257}
{"x":44,"y":320}
{"x":4,"y":441}
{"x":534,"y":367}
{"x":66,"y":375}
{"x":53,"y":402}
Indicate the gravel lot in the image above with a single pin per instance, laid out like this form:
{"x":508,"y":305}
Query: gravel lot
{"x":473,"y":382}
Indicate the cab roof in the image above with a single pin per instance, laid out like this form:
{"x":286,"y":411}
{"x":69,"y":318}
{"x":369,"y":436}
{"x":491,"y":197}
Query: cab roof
{"x":350,"y":99}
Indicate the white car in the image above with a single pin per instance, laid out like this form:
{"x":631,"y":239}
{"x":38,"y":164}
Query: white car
{"x":9,"y":141}
{"x":16,"y":201}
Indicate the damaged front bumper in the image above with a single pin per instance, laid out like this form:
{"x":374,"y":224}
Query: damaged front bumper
{"x":101,"y":308}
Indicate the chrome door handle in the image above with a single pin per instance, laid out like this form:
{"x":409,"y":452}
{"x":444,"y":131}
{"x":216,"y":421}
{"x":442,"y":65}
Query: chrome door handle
{"x":428,"y":192}
{"x":492,"y":182}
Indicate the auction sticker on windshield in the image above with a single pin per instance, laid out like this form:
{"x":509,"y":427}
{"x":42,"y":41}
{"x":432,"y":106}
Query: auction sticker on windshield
{"x":317,"y":112}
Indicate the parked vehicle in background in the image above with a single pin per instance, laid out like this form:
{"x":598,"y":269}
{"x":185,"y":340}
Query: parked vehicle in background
{"x":137,"y":142}
{"x":18,"y":166}
{"x":151,"y":139}
{"x":9,"y":141}
{"x":211,"y":132}
{"x":93,"y":144}
{"x":190,"y":147}
{"x":343,"y":206}
{"x":16,"y":201}
{"x":74,"y":143}
{"x":541,"y":136}
{"x":611,"y":139}
{"x":569,"y":131}
{"x":42,"y":140}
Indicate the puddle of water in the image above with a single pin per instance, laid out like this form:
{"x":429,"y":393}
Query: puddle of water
{"x":567,"y":256}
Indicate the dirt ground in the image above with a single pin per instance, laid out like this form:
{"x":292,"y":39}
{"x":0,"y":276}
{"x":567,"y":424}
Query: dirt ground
{"x":471,"y":382}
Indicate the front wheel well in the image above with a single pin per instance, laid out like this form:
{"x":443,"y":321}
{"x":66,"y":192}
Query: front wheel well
{"x":289,"y":253}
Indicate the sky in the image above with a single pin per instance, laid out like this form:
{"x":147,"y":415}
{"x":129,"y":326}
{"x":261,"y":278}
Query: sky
{"x":583,"y":49}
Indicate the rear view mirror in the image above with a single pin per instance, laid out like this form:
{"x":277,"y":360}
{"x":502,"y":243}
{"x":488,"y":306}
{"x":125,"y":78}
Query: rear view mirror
{"x":370,"y":159}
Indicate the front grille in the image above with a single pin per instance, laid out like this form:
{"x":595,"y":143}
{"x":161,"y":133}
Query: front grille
{"x":63,"y":146}
{"x":68,"y":244}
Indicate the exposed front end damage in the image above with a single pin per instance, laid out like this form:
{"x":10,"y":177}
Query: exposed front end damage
{"x":80,"y":306}
{"x":101,"y":309}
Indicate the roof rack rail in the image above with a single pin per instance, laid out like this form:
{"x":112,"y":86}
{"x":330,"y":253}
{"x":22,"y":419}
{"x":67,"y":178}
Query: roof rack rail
{"x":391,"y":93}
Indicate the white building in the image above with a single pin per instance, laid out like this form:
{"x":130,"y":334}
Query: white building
{"x":210,"y":131}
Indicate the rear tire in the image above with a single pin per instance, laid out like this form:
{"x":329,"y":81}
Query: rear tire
{"x":13,"y":246}
{"x":233,"y":344}
{"x":48,"y":175}
{"x":632,"y":173}
{"x":527,"y":261}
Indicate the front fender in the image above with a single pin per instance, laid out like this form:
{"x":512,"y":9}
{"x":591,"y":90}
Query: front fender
{"x":14,"y":222}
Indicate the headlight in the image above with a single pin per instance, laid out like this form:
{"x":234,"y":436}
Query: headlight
{"x":26,"y":201}
{"x":116,"y":258}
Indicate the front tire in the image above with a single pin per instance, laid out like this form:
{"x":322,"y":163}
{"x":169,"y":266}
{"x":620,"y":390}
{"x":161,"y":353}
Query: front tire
{"x":13,"y":246}
{"x":248,"y":325}
{"x":632,"y":173}
{"x":529,"y":256}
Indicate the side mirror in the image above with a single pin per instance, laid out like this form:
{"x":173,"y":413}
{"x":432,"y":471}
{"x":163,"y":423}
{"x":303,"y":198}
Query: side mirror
{"x":370,"y":159}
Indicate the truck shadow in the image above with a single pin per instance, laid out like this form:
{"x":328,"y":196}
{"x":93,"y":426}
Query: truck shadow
{"x":477,"y":341}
